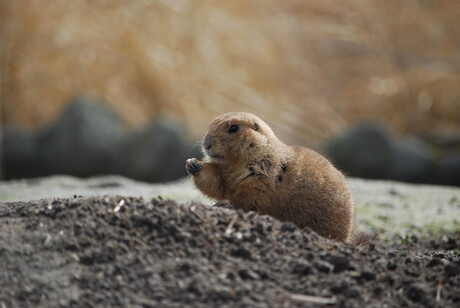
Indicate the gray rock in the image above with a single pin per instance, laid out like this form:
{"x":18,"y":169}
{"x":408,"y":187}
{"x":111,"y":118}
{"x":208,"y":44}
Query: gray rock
{"x":411,"y":161}
{"x":88,"y":139}
{"x":19,"y":154}
{"x":80,"y":142}
{"x":156,"y":153}
{"x":448,"y":172}
{"x":368,"y":151}
{"x":364,"y":151}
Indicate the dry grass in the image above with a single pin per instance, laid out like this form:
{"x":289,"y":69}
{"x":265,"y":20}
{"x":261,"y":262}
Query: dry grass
{"x":310,"y":68}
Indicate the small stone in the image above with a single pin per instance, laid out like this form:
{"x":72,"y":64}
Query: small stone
{"x":340,"y":263}
{"x":241,"y":253}
{"x":287,"y":227}
{"x":323,"y":266}
{"x":439,"y":255}
{"x":353,"y":293}
{"x":413,"y":271}
{"x":301,"y":269}
{"x":415,"y":293}
{"x":451,"y":270}
{"x":193,"y":288}
{"x":433,"y":263}
{"x":389,"y":279}
{"x":248,"y":274}
{"x":259,"y":227}
{"x":391,"y":265}
{"x":378,"y":290}
{"x":367,"y":275}
{"x":339,"y":288}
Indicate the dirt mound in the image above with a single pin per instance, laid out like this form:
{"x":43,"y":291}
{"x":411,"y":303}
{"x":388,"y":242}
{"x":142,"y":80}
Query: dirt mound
{"x":117,"y":251}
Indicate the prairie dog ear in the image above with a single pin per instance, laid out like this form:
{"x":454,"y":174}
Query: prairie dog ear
{"x":256,"y":126}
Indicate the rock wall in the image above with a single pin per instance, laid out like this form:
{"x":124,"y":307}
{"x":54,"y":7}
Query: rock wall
{"x":89,"y":139}
{"x":370,"y":151}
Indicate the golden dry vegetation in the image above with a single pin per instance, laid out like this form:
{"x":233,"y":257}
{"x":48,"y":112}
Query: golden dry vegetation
{"x":310,"y":68}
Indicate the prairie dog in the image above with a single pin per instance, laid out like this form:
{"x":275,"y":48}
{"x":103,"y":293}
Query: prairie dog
{"x":246,"y":164}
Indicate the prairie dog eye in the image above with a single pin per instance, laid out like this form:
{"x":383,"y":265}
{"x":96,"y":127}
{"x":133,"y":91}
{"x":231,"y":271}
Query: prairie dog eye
{"x":233,"y":129}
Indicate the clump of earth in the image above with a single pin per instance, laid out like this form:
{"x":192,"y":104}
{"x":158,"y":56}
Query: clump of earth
{"x":125,"y":251}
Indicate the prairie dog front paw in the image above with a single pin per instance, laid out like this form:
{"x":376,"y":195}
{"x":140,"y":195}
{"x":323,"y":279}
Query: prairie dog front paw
{"x":193,"y":166}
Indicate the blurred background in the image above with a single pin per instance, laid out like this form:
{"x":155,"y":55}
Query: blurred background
{"x":129,"y":87}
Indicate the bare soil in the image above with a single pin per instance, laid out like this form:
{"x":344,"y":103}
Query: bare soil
{"x":123,"y":251}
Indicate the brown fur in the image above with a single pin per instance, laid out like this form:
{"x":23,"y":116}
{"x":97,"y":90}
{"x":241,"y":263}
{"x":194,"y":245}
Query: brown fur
{"x":255,"y":171}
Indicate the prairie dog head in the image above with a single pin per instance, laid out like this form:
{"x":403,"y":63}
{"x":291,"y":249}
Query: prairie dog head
{"x":237,"y":137}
